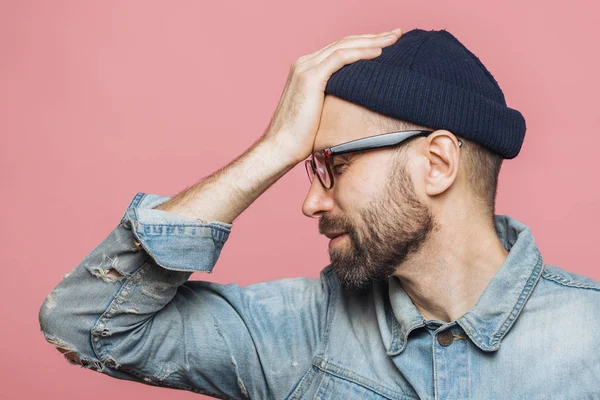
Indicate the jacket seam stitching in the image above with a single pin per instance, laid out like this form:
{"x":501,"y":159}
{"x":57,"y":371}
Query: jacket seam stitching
{"x":331,"y":303}
{"x":330,"y":310}
{"x":134,"y":371}
{"x":302,"y":384}
{"x":569,"y":282}
{"x":359,"y":380}
{"x":210,"y":225}
{"x":141,"y":238}
{"x":103,"y":319}
{"x":529,"y":287}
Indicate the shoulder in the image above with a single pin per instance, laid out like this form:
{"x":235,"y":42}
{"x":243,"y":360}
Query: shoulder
{"x":561,"y":290}
{"x":565,"y":306}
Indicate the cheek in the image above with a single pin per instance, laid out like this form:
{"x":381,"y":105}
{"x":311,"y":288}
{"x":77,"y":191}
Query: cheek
{"x":367,"y":181}
{"x":360,"y":198}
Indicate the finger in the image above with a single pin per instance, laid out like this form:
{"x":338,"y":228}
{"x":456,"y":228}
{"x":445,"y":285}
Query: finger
{"x":376,"y":42}
{"x":364,"y":40}
{"x":341,"y":57}
{"x":360,"y":40}
{"x":397,"y":31}
{"x":358,"y":44}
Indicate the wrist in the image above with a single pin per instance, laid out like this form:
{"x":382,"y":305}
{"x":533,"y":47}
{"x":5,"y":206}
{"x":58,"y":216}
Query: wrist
{"x":281,"y":151}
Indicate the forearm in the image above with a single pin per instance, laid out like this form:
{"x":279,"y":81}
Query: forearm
{"x":225,"y":194}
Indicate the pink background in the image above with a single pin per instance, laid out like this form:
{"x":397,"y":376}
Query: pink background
{"x":100,"y":100}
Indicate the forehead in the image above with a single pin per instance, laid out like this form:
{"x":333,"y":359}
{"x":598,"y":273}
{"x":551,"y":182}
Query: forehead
{"x":343,"y":121}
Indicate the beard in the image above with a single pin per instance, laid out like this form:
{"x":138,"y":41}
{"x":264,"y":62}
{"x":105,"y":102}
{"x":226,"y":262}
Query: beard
{"x":396,"y":224}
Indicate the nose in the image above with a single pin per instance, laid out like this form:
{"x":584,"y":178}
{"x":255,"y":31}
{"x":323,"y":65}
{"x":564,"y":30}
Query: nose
{"x":318,"y":200}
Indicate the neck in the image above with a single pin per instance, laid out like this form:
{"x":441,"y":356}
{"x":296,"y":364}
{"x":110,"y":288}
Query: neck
{"x":448,"y":274}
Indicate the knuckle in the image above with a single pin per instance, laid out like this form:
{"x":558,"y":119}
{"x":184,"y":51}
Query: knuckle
{"x":296,"y":63}
{"x":300,"y":64}
{"x":303,"y":58}
{"x":338,"y":52}
{"x":342,"y":53}
{"x":300,"y":70}
{"x":303,"y":77}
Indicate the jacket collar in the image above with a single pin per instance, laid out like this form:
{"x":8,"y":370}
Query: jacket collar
{"x":500,"y":304}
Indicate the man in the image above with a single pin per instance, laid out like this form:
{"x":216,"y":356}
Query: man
{"x":429,"y":294}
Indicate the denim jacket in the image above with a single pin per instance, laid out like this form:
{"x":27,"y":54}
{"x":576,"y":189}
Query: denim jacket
{"x":129,"y":311}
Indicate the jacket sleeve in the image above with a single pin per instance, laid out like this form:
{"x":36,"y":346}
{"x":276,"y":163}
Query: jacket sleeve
{"x":128,"y":311}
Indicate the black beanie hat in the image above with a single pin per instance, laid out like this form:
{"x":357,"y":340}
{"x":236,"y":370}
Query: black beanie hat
{"x":430,"y":78}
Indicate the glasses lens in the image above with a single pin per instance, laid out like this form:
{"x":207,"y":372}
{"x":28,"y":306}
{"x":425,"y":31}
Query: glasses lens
{"x":309,"y":170}
{"x":322,"y":171}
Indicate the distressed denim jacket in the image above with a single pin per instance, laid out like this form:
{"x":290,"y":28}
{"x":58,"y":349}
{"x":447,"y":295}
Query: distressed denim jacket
{"x":128,"y":311}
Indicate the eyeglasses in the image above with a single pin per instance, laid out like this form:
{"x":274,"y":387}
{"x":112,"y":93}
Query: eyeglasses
{"x":320,"y":162}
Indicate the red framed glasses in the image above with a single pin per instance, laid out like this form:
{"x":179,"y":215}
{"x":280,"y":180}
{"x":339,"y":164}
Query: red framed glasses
{"x":320,"y":162}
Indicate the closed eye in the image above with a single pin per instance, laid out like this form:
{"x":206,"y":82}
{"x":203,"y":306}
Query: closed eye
{"x":338,"y":168}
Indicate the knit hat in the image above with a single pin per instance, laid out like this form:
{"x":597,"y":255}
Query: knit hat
{"x":430,"y":78}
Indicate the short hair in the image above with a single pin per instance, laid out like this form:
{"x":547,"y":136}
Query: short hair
{"x":481,"y":165}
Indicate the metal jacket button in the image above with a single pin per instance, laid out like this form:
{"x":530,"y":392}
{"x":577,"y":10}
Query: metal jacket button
{"x":445,"y":338}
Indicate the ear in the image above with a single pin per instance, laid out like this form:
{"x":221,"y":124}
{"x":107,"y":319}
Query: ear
{"x":443,"y":153}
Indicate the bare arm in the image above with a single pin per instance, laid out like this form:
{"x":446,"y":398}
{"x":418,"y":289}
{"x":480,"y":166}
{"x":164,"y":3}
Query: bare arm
{"x":225,"y":194}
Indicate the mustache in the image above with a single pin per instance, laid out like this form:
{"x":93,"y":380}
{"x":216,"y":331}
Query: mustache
{"x":327,"y":225}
